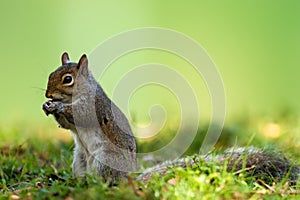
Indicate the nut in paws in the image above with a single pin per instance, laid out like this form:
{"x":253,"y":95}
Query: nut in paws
{"x":50,"y":107}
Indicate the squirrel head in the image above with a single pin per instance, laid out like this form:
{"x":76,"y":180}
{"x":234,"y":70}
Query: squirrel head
{"x":61,"y":82}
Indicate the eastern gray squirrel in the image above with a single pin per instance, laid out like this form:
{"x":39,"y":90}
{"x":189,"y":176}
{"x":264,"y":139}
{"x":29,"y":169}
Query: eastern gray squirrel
{"x":104,"y":142}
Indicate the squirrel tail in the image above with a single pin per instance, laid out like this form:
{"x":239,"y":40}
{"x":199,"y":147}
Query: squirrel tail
{"x":265,"y":165}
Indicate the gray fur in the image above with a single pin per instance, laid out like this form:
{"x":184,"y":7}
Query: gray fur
{"x":260,"y":164}
{"x":104,"y":143}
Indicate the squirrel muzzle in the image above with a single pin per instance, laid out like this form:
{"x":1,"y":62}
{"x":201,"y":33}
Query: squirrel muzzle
{"x":49,"y":95}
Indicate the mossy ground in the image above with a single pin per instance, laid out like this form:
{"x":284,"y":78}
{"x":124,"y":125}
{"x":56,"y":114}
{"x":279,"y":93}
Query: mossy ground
{"x":36,"y":166}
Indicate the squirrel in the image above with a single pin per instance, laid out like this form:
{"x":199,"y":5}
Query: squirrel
{"x":104,"y":142}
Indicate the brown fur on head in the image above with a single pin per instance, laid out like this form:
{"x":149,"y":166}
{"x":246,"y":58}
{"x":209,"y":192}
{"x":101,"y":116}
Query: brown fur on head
{"x":61,"y":82}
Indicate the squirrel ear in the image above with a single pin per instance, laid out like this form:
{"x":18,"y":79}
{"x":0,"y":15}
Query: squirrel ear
{"x":83,"y":62}
{"x":65,"y":58}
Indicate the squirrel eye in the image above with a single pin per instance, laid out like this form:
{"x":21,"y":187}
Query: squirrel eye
{"x":67,"y":79}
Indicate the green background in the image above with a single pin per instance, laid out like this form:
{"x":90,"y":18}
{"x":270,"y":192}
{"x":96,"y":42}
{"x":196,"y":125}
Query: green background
{"x":255,"y":44}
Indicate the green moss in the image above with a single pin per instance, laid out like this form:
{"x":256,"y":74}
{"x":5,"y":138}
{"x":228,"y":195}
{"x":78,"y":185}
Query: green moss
{"x":31,"y":166}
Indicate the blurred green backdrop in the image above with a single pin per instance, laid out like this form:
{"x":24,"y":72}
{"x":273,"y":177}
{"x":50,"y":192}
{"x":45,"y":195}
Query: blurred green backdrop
{"x":255,"y":44}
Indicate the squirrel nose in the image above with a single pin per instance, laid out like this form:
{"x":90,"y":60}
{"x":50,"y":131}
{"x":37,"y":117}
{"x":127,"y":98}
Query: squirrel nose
{"x":48,"y":95}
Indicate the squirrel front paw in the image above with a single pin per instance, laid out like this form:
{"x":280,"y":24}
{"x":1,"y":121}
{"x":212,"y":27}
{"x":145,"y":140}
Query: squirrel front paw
{"x":51,"y":107}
